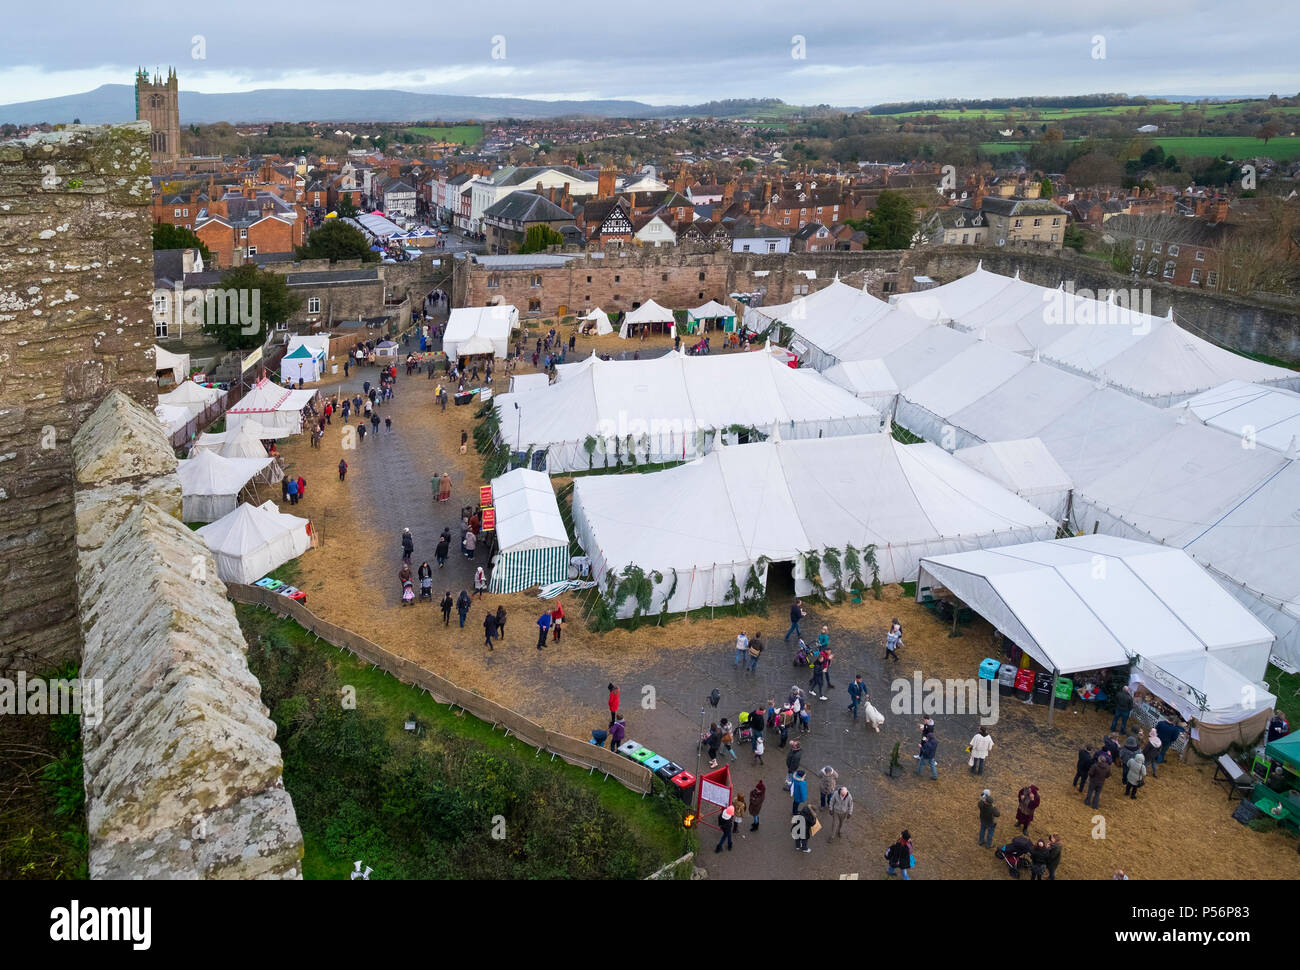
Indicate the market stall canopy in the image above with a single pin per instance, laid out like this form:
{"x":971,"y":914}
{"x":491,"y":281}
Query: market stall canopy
{"x":210,"y":484}
{"x":1202,"y":686}
{"x":534,"y":545}
{"x":647,"y":313}
{"x":302,"y":364}
{"x":252,"y":540}
{"x":1286,"y":749}
{"x":710,"y":311}
{"x":278,"y":410}
{"x":244,"y":442}
{"x":178,"y":364}
{"x":603,"y":326}
{"x":491,"y":323}
{"x":1097,"y":601}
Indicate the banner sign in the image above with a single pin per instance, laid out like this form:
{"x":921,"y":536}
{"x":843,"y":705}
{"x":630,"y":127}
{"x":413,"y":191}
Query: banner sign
{"x":485,"y":495}
{"x":489,"y":519}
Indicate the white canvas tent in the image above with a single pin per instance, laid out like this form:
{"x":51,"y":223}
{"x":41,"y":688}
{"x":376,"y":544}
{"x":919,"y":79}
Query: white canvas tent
{"x":1147,"y":356}
{"x":165,"y":360}
{"x":210,"y":484}
{"x":302,"y":364}
{"x":1267,"y":416}
{"x":1026,"y":467}
{"x":251,"y":540}
{"x":180,"y":420}
{"x":868,"y":380}
{"x":646,"y":314}
{"x":1201,"y":686}
{"x":278,"y":410}
{"x":603,"y":326}
{"x":533,"y":543}
{"x":244,"y":442}
{"x":781,"y":499}
{"x":1097,"y":601}
{"x":673,"y":408}
{"x":480,"y":330}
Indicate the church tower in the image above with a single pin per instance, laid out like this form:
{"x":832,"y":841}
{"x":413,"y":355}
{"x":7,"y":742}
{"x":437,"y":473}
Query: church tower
{"x":158,"y":102}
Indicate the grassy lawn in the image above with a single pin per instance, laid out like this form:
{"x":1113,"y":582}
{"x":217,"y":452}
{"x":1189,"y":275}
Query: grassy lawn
{"x":403,"y":806}
{"x":461,"y":134}
{"x":1217,"y":110}
{"x":1281,"y":149}
{"x":1285,"y":687}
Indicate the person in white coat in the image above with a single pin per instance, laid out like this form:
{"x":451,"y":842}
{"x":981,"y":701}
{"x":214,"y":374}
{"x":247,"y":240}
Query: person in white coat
{"x":980,"y":746}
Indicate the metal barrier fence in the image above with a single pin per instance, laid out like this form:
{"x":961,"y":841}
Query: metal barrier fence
{"x":582,"y":753}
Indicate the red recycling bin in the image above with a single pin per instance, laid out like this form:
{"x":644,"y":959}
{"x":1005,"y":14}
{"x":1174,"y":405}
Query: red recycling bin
{"x":1025,"y":680}
{"x":684,"y":783}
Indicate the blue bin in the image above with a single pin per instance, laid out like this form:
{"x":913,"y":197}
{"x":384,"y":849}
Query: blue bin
{"x":656,"y":762}
{"x":628,"y":749}
{"x":989,"y":669}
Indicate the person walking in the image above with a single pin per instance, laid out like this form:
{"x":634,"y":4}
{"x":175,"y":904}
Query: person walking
{"x":829,"y":779}
{"x":713,"y":741}
{"x":388,"y":424}
{"x":464,"y":441}
{"x":816,"y":682}
{"x":1082,"y":763}
{"x":755,"y":651}
{"x":462,"y":606}
{"x":792,"y":759}
{"x":803,"y":821}
{"x":797,"y":613}
{"x":468,"y":543}
{"x":617,"y":732}
{"x":727,"y":737}
{"x":361,"y":433}
{"x":1134,"y":773}
{"x":857,"y":694}
{"x":1123,"y":708}
{"x":501,"y":622}
{"x":293,"y":491}
{"x":726,"y":825}
{"x":929,"y":750}
{"x":480,"y":583}
{"x":1097,"y":776}
{"x":408,"y":545}
{"x":440,"y":551}
{"x":1027,"y":802}
{"x":446,"y":605}
{"x":742,"y":648}
{"x":980,"y":746}
{"x":827,"y":658}
{"x":798,"y":790}
{"x":760,"y":744}
{"x":1151,"y":751}
{"x":893,"y":640}
{"x":899,"y":856}
{"x":756,"y":799}
{"x":988,"y":819}
{"x":374,"y":424}
{"x":343,"y":469}
{"x":823,"y":640}
{"x":489,"y":628}
{"x":302,"y":488}
{"x":841,"y":806}
{"x":612,"y":702}
{"x":557,"y":621}
{"x":543,"y":628}
{"x":444,"y":487}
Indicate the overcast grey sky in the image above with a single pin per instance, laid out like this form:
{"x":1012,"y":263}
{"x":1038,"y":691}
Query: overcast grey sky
{"x":665,"y":52}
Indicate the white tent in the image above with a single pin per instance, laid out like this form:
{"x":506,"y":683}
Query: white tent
{"x":534,"y":546}
{"x":1201,"y":686}
{"x":480,"y":330}
{"x":302,"y":364}
{"x":713,"y":310}
{"x":251,"y":540}
{"x":648,"y":313}
{"x":1026,"y":467}
{"x":277,"y":409}
{"x":671,"y":408}
{"x":1096,"y":601}
{"x":244,"y":442}
{"x":180,"y":420}
{"x":782,"y":499}
{"x":869,"y":380}
{"x":1147,"y":356}
{"x":187,"y":392}
{"x":178,"y":364}
{"x":523,"y":383}
{"x":603,"y":326}
{"x":210,"y":484}
{"x":1267,"y":416}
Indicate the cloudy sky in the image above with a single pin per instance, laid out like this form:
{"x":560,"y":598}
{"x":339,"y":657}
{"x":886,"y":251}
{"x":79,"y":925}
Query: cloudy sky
{"x":855,"y":52}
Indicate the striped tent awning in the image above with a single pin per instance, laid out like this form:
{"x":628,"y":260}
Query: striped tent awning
{"x":515,"y":571}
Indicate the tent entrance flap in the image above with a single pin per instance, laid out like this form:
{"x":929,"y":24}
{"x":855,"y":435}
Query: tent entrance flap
{"x":780,"y":581}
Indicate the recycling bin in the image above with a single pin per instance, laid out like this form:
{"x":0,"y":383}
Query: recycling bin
{"x":655,"y":762}
{"x":989,"y":668}
{"x":1044,"y":685}
{"x":644,"y":755}
{"x":1064,"y":691}
{"x":628,"y":749}
{"x":668,"y":769}
{"x":684,"y":783}
{"x":1025,"y":684}
{"x":1006,"y":679}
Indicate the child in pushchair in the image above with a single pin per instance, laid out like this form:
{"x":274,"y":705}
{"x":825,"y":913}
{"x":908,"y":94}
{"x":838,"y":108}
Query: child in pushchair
{"x":1016,"y":854}
{"x":408,"y":592}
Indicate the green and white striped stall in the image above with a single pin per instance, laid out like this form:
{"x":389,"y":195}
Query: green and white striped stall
{"x":534,"y":546}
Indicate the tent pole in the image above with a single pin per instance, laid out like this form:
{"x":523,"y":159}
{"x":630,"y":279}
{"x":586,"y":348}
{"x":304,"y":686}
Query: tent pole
{"x":1051,"y":697}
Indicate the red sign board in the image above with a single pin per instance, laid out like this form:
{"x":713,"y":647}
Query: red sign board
{"x":485,"y":495}
{"x":489,"y":519}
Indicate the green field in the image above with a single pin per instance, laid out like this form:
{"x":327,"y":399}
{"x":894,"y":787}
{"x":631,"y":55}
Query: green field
{"x":1282,"y":149}
{"x":461,"y":134}
{"x":1046,"y":114}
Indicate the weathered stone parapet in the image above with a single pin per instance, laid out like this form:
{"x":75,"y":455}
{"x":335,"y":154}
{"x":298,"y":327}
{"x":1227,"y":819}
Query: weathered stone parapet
{"x":183,"y":775}
{"x":76,"y":281}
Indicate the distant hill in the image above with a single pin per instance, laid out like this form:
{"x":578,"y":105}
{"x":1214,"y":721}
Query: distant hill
{"x":116,"y":103}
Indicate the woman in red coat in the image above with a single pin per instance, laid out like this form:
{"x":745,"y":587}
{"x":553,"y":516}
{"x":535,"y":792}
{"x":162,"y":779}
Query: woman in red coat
{"x":557,"y":618}
{"x":1028,"y":803}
